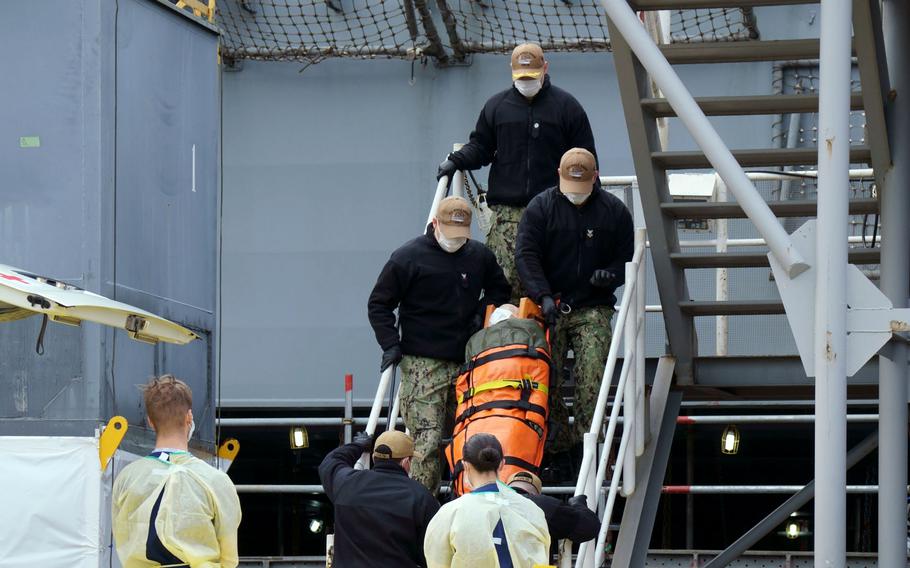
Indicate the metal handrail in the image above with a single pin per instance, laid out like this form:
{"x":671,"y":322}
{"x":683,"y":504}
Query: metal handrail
{"x":630,"y":388}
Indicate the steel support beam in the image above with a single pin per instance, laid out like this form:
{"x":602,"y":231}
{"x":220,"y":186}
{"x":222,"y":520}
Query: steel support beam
{"x":895,"y":283}
{"x":641,"y":507}
{"x":654,"y":191}
{"x":791,"y":505}
{"x":873,"y":73}
{"x":830,"y":338}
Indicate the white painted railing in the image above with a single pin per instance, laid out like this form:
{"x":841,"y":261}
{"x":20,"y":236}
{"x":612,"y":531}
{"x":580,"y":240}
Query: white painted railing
{"x":630,"y":396}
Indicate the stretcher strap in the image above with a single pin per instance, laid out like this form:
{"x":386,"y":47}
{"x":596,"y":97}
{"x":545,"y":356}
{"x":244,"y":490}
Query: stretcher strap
{"x":520,"y":351}
{"x":506,"y":404}
{"x":524,"y":384}
{"x":518,"y":462}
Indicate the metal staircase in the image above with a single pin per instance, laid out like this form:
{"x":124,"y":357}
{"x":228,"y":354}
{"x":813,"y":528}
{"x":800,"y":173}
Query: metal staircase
{"x":653,"y":163}
{"x":643,"y":105}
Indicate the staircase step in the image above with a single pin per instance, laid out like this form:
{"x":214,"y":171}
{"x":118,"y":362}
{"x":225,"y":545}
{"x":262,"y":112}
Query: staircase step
{"x":732,"y":210}
{"x":646,"y":5}
{"x":757,"y":158}
{"x":756,"y":104}
{"x":755,"y":259}
{"x":732,"y":308}
{"x":740,"y":51}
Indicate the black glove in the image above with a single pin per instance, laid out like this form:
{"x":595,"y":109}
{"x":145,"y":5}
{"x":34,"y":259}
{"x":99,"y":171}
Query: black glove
{"x":364,"y":440}
{"x":579,"y":501}
{"x":446,"y":168}
{"x":391,"y":356}
{"x":602,"y":278}
{"x":548,"y":308}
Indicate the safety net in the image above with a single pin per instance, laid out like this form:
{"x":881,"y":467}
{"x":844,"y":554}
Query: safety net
{"x":445,"y":30}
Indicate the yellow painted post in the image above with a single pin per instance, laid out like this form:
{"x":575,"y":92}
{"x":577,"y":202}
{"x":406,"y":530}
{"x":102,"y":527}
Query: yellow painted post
{"x":227,"y":453}
{"x":111,"y":437}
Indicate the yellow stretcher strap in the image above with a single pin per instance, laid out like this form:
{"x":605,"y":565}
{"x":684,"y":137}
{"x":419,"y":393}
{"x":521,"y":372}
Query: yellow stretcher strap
{"x":502,"y":384}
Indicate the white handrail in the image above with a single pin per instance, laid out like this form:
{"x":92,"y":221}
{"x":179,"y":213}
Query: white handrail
{"x":629,"y":330}
{"x":385,"y":379}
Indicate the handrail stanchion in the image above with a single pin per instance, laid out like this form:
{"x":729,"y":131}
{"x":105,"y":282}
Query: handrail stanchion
{"x":641,"y":412}
{"x":458,"y":184}
{"x":381,"y":391}
{"x":396,"y":409}
{"x":348,"y":408}
{"x":437,"y":197}
{"x":629,"y":395}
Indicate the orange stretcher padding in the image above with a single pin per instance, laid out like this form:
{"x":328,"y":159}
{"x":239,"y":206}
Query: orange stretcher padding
{"x":503,"y":391}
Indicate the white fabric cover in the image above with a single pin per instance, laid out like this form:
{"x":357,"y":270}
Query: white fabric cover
{"x":50,"y":491}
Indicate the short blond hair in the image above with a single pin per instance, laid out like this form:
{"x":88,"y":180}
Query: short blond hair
{"x":167,"y":400}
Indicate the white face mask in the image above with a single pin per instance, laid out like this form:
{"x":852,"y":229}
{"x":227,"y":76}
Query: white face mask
{"x":577,"y":198}
{"x":467,"y":481}
{"x":498,"y":315}
{"x":528,"y":87}
{"x":450,"y":245}
{"x":192,"y":429}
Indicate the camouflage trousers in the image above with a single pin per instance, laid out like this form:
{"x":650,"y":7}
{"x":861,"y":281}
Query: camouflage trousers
{"x":588,"y":333}
{"x":501,"y":240}
{"x":427,"y":406}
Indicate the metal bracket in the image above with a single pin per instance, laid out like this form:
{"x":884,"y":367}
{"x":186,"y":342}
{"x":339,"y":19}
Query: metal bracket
{"x":871,"y":317}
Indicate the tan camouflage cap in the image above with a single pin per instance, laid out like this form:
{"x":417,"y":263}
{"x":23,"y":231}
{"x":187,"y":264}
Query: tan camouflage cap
{"x":527,"y":61}
{"x":454,"y":216}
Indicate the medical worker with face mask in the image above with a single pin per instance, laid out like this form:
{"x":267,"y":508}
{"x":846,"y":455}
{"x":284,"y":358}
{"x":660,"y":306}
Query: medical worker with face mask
{"x":440,"y":283}
{"x":169,"y":507}
{"x":490,"y":527}
{"x":521,"y":133}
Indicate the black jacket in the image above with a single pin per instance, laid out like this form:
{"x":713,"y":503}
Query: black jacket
{"x":525,"y":140}
{"x":559,"y":246}
{"x":438,"y":296}
{"x":381,"y":515}
{"x":578,"y":523}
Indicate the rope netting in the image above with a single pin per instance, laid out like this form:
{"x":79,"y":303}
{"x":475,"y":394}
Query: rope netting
{"x":311,"y":30}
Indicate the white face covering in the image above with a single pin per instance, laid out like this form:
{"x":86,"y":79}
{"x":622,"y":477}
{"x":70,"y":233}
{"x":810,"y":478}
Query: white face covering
{"x":577,"y":198}
{"x":467,"y":481}
{"x":449,"y":245}
{"x":192,"y":429}
{"x":498,"y":315}
{"x":528,"y":87}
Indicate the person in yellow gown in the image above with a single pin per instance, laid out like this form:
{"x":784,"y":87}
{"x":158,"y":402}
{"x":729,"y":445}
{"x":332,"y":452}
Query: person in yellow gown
{"x":171,"y":508}
{"x":490,"y":527}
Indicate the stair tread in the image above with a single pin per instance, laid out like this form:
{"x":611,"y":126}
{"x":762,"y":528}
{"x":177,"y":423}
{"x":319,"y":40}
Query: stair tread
{"x":746,"y":105}
{"x":754,"y":158}
{"x":754,"y":259}
{"x":732,"y":210}
{"x":733,"y":307}
{"x":741,"y":51}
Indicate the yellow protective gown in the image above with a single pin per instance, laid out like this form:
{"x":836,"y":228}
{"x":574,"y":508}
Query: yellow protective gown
{"x":197,"y":519}
{"x":461,"y":533}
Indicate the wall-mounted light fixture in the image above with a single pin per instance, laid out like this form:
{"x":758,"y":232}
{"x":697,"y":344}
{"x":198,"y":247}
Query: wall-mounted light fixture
{"x":729,"y":441}
{"x":300,"y":438}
